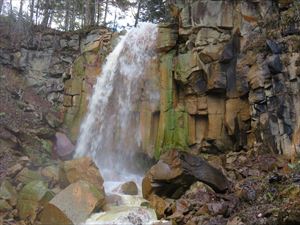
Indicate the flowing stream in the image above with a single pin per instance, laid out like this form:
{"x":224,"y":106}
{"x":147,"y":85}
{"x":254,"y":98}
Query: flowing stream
{"x":110,"y":134}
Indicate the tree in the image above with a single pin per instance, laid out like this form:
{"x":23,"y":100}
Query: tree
{"x":105,"y":11}
{"x":31,"y":11}
{"x":137,"y":16}
{"x":11,"y":7}
{"x":1,"y":5}
{"x":90,"y":13}
{"x":154,"y":11}
{"x":67,"y":15}
{"x":21,"y":9}
{"x":46,"y":13}
{"x":98,"y":11}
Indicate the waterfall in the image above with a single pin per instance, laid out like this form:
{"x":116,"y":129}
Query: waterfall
{"x":110,"y":133}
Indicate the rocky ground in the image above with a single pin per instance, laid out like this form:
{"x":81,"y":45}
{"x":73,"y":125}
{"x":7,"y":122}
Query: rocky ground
{"x":260,"y":189}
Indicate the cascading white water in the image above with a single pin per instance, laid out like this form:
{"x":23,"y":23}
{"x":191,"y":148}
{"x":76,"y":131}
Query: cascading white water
{"x":110,"y":133}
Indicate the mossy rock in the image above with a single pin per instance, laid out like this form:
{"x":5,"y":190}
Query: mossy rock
{"x":29,"y":199}
{"x":26,"y":176}
{"x":8,"y":192}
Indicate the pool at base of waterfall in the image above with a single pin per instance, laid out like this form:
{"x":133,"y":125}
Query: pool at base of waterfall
{"x":121,"y":209}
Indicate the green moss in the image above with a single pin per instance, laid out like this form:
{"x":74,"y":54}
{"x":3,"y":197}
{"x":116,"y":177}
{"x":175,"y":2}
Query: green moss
{"x":175,"y":132}
{"x":173,"y":124}
{"x":47,"y":146}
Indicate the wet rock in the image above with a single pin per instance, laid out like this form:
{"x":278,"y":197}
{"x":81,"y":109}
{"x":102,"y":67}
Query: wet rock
{"x":80,"y":169}
{"x":72,"y":205}
{"x":177,"y":171}
{"x":129,"y":188}
{"x":159,"y":205}
{"x":63,"y":146}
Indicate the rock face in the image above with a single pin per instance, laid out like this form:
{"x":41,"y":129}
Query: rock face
{"x":177,"y":171}
{"x":232,"y":79}
{"x":45,"y":77}
{"x":73,"y":205}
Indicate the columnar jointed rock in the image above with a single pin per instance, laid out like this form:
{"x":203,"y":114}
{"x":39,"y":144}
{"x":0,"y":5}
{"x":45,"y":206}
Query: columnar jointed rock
{"x":232,"y":80}
{"x":176,"y":171}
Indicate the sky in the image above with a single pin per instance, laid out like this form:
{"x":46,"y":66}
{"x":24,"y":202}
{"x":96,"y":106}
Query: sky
{"x":123,"y":20}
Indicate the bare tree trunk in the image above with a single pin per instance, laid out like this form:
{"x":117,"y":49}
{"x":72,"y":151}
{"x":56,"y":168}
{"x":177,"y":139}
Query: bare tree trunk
{"x":98,"y":12}
{"x":67,"y":16}
{"x":11,"y":7}
{"x":105,"y":12}
{"x":137,"y":16}
{"x":83,"y":16}
{"x":90,"y":12}
{"x":1,"y":5}
{"x":46,"y":14}
{"x":21,"y":9}
{"x":115,"y":21}
{"x":73,"y":18}
{"x":31,"y":11}
{"x":51,"y":18}
{"x":37,"y":12}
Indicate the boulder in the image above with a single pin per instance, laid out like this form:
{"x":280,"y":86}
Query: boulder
{"x":30,"y":198}
{"x":80,"y":169}
{"x":159,"y":205}
{"x":63,"y":146}
{"x":51,"y":173}
{"x":26,"y":176}
{"x":73,"y":205}
{"x":8,"y":192}
{"x":4,"y":206}
{"x":129,"y":188}
{"x":177,"y":171}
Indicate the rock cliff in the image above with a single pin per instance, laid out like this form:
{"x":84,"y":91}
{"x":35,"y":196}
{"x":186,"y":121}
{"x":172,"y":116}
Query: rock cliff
{"x":230,"y":77}
{"x":46,"y":78}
